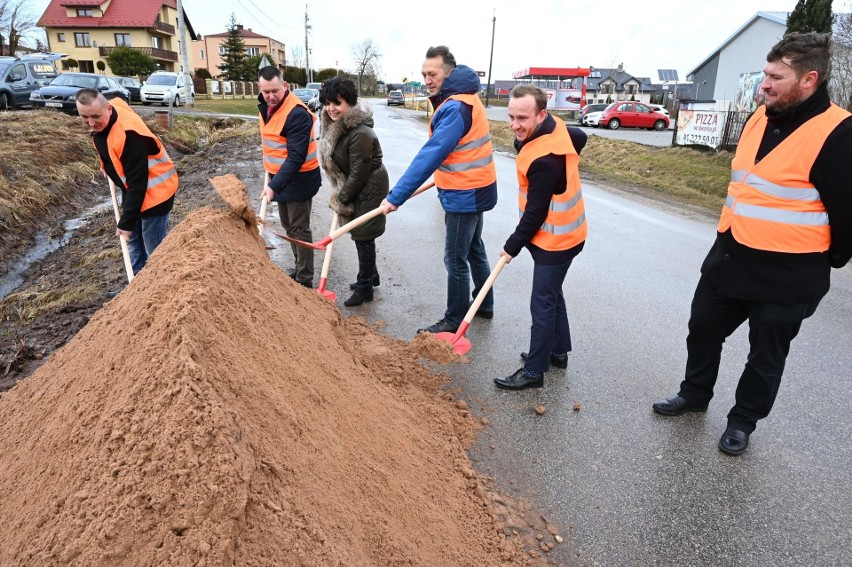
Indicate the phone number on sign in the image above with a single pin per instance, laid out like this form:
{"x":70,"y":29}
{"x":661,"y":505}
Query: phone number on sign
{"x":702,"y":139}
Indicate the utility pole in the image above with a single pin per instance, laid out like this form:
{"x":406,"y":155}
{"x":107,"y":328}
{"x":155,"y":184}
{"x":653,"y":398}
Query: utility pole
{"x":490,"y":59}
{"x":184,"y":47}
{"x":307,"y":51}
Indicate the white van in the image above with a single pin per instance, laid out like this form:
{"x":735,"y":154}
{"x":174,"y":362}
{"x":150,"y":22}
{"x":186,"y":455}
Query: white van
{"x":167,"y":88}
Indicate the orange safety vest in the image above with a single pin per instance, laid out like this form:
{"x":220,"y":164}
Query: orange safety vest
{"x":772,"y":205}
{"x":275,"y":145}
{"x":565,"y":224}
{"x":162,"y":175}
{"x":471,"y":163}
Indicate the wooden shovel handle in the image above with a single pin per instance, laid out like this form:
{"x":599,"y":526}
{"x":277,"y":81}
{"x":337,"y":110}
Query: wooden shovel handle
{"x":480,"y":297}
{"x":327,"y":260}
{"x":355,"y":223}
{"x":263,"y":202}
{"x":125,"y":251}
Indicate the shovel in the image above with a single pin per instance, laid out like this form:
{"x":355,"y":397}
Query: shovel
{"x":125,"y":252}
{"x":327,"y":293}
{"x":354,"y":223}
{"x":263,"y":202}
{"x":460,"y":344}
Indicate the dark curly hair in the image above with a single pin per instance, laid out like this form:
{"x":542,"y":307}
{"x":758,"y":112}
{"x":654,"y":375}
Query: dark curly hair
{"x":805,"y":51}
{"x":337,"y":89}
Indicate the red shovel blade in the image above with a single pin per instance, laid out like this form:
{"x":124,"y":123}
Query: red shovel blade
{"x":460,"y":344}
{"x":326,"y":293}
{"x":318,"y":246}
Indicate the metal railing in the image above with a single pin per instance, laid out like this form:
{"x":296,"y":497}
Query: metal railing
{"x":149,"y":51}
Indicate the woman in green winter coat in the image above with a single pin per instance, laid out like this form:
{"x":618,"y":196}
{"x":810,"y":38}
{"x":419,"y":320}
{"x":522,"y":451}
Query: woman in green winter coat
{"x":351,"y":156}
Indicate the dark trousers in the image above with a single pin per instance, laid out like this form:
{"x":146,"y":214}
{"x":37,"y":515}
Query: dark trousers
{"x":465,"y":258}
{"x":772,"y":327}
{"x":550,"y":331}
{"x":366,"y":265}
{"x":296,"y":219}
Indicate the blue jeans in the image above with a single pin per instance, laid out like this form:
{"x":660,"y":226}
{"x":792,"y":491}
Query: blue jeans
{"x":464,"y":255}
{"x":550,"y":331}
{"x":146,"y":236}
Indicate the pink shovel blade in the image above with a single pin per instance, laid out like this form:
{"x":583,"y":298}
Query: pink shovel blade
{"x":461,"y":344}
{"x":326,"y":293}
{"x":318,"y":246}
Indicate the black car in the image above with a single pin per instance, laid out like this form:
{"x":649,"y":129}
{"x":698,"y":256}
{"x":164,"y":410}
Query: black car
{"x":132,"y":86}
{"x":61,"y":93}
{"x":310,"y":97}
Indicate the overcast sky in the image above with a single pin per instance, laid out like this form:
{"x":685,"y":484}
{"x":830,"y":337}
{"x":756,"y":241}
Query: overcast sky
{"x":645,"y":36}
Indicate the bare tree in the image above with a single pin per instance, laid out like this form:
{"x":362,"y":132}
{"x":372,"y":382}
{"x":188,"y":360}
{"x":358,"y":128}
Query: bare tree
{"x":16,"y":21}
{"x":297,"y":56}
{"x":366,"y":57}
{"x":840,"y":81}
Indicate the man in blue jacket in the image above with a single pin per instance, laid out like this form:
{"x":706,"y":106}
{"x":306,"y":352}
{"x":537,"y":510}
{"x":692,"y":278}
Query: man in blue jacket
{"x":459,"y":153}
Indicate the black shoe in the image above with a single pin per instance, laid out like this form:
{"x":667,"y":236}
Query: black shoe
{"x":112,"y":293}
{"x":520,"y":380}
{"x":484,"y":314}
{"x":308,"y":284}
{"x":556,"y":360}
{"x":376,"y":282}
{"x":358,"y":298}
{"x":733,"y":441}
{"x":291,"y":273}
{"x":676,"y":406}
{"x":442,"y":326}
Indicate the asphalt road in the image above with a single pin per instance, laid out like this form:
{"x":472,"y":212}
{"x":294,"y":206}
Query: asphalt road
{"x":628,"y":487}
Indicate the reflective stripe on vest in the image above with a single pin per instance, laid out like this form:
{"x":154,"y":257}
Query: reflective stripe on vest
{"x":565,"y":225}
{"x":471,"y":163}
{"x":162,"y":175}
{"x":274,"y":145}
{"x":772,"y":205}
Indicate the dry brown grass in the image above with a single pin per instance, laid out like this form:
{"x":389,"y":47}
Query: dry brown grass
{"x":45,"y":155}
{"x":27,"y":305}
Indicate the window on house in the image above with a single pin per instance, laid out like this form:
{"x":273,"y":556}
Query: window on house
{"x":202,"y":54}
{"x":122,"y":40}
{"x":85,"y":12}
{"x":631,"y":89}
{"x":87,"y":66}
{"x":223,"y":50}
{"x":156,"y":43}
{"x":607,"y":88}
{"x":60,"y":37}
{"x":82,"y":40}
{"x":252,"y":51}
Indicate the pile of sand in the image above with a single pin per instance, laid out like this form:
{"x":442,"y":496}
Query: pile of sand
{"x":217,"y":413}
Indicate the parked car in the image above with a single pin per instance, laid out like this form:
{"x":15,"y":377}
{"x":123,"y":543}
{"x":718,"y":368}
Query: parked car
{"x":62,"y":91}
{"x":633,"y":115}
{"x":592,"y":119}
{"x":396,"y":97}
{"x":310,"y":97}
{"x":588,"y":109}
{"x":661,"y":109}
{"x":132,"y":85}
{"x":167,"y":88}
{"x":20,"y":76}
{"x":315,"y":86}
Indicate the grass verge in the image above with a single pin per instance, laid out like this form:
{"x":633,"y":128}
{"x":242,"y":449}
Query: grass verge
{"x":682,"y":174}
{"x":244,"y":106}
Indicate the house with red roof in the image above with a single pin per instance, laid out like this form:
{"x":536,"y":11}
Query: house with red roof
{"x":88,"y":30}
{"x":209,"y":50}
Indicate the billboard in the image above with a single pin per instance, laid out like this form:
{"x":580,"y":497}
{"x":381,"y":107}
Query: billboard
{"x":699,"y":127}
{"x":564,"y":99}
{"x":749,"y":95}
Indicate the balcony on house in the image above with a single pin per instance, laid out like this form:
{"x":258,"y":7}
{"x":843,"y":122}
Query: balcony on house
{"x":163,"y":28}
{"x":161,"y":54}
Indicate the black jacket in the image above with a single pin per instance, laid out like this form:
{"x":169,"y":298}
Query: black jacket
{"x":134,"y":161}
{"x":288,"y":184}
{"x":734,"y":270}
{"x":546,"y":177}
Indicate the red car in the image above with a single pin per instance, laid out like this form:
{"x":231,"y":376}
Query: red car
{"x":634,"y":115}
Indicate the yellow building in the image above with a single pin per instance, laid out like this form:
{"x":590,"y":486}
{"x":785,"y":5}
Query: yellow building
{"x":88,"y":31}
{"x":208,"y":51}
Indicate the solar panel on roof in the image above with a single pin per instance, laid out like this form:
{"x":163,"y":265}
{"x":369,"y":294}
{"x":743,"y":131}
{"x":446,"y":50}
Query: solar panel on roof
{"x":667,"y":74}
